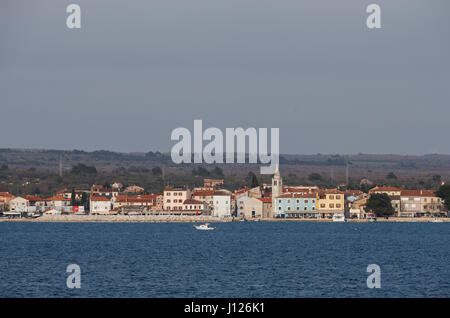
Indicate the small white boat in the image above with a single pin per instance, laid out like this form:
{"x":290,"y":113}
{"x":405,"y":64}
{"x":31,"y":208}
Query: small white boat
{"x":204,"y":227}
{"x":339,"y":217}
{"x":435,"y":220}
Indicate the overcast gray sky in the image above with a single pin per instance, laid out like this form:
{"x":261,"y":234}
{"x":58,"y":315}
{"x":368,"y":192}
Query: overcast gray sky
{"x":138,"y":69}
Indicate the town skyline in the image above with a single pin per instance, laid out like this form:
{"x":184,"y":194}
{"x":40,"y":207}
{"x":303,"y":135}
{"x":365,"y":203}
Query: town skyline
{"x":311,"y":68}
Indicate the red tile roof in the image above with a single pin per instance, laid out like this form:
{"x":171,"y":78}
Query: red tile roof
{"x":417,"y":193}
{"x":298,"y":195}
{"x":6,"y":195}
{"x":33,"y":198}
{"x":238,"y":191}
{"x":222,"y":193}
{"x":57,"y":198}
{"x":203,"y":193}
{"x":386,"y":189}
{"x":330,"y":191}
{"x":98,"y":198}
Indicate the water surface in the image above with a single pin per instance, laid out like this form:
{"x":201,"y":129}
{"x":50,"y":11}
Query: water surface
{"x":261,"y":259}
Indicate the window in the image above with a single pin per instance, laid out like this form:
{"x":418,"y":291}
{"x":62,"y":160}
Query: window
{"x":322,"y":205}
{"x":279,"y":208}
{"x":331,"y":206}
{"x":289,"y":208}
{"x":305,"y":208}
{"x":168,"y":200}
{"x":338,"y":197}
{"x":275,"y":182}
{"x":331,"y":197}
{"x":306,"y":201}
{"x":338,"y":205}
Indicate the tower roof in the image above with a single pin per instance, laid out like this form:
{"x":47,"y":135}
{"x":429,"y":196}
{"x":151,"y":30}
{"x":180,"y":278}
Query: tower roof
{"x":277,"y":170}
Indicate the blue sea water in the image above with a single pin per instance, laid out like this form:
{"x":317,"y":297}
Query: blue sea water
{"x":242,"y":259}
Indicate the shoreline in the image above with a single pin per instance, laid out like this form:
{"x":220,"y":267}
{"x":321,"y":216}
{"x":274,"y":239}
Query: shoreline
{"x":189,"y":219}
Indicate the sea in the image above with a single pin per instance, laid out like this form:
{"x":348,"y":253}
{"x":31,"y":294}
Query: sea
{"x":238,"y":259}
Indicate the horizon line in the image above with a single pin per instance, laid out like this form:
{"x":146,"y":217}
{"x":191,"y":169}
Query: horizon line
{"x":168,"y":152}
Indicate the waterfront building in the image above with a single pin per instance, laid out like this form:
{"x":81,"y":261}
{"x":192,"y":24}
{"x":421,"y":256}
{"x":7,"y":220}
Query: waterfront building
{"x":222,"y":204}
{"x":267,"y":211}
{"x":252,"y":208}
{"x":240,"y":205}
{"x":174,"y":198}
{"x":357,"y":208}
{"x":204,"y":196}
{"x":195,"y":207}
{"x":57,"y":201}
{"x":417,"y":203}
{"x":6,"y":198}
{"x":37,"y":202}
{"x":100,"y":205}
{"x":296,"y":205}
{"x":145,"y":200}
{"x":330,"y":201}
{"x":19,"y":204}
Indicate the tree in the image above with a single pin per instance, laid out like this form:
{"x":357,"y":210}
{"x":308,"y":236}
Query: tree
{"x":157,"y":171}
{"x":314,"y":177}
{"x":437,"y":178}
{"x":82,"y":168}
{"x":380,"y":204}
{"x":444,"y":194}
{"x":217,"y":172}
{"x":200,"y":171}
{"x":73,"y":200}
{"x":391,"y":176}
{"x":85,"y":201}
{"x":252,"y":180}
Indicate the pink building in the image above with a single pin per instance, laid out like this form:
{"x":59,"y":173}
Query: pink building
{"x":174,"y":198}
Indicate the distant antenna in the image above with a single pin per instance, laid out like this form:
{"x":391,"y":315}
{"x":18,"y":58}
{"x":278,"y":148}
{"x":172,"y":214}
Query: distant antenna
{"x":60,"y":166}
{"x":332,"y":175}
{"x":346,"y":173}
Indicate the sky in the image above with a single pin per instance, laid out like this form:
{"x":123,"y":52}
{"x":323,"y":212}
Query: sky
{"x":136,"y":70}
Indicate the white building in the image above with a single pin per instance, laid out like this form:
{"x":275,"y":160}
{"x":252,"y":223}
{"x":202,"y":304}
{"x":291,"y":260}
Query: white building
{"x":58,"y":202}
{"x":100,"y":205}
{"x":18,"y":204}
{"x":222,"y":204}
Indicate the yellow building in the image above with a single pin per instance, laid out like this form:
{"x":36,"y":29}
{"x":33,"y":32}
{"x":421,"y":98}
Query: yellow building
{"x":330,"y":202}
